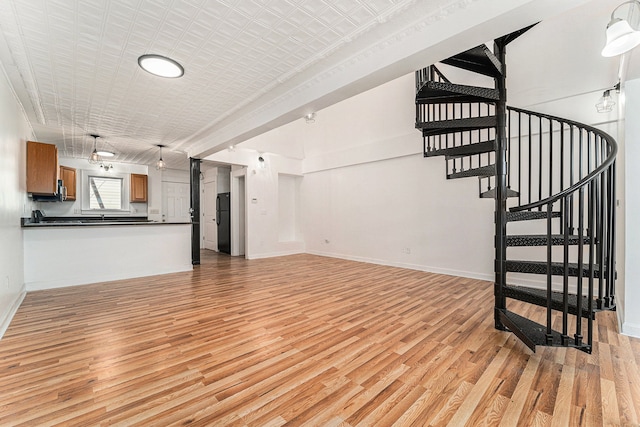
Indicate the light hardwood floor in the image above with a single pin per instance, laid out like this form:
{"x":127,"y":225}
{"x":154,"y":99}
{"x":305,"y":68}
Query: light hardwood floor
{"x":299,"y":340}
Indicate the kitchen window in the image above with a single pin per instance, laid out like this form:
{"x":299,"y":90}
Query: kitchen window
{"x":105,"y":193}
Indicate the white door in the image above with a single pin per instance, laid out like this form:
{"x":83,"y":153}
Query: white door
{"x":210,"y":229}
{"x":176,"y":201}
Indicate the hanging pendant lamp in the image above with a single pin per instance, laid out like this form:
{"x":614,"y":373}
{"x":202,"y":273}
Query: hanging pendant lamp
{"x":622,"y":33}
{"x":160,"y":164}
{"x":94,"y":158}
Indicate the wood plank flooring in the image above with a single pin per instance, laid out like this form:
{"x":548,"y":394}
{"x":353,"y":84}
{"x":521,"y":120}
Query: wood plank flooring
{"x":301,"y":341}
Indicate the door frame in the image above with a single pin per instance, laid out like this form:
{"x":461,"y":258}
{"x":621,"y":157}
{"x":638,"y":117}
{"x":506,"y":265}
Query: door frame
{"x":238,"y":206}
{"x":209,"y":178}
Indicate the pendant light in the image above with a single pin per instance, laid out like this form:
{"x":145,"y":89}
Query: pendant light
{"x":160,"y":164}
{"x":94,"y":158}
{"x":622,"y":34}
{"x":606,"y":103}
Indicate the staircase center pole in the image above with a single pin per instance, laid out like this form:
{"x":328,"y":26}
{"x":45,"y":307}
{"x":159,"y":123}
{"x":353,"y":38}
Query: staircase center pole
{"x":500,"y":242}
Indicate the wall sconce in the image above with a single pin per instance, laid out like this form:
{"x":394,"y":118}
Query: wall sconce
{"x":622,"y":33}
{"x":261,"y":163}
{"x":160,"y":164}
{"x":106,"y":167}
{"x":310,"y":118}
{"x":606,"y":102}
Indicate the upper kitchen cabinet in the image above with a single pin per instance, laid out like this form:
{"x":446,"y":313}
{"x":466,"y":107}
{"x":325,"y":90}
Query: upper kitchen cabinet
{"x":68,"y":176}
{"x":42,"y":168}
{"x":138,"y":191}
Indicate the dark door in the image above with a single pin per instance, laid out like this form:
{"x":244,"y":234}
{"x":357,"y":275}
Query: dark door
{"x":223,"y":220}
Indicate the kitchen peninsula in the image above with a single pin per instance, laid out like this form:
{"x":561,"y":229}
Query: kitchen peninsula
{"x":76,"y":252}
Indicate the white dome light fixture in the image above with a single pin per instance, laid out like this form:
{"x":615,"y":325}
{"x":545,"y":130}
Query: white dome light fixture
{"x":622,"y":33}
{"x":161,"y":66}
{"x":104,"y":153}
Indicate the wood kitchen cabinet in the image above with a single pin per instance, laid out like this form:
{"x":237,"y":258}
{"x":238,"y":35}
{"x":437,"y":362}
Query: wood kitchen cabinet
{"x":138,"y":190}
{"x":42,"y":168}
{"x":68,"y":177}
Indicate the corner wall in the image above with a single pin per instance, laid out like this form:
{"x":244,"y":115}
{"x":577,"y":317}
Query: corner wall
{"x":629,"y":227}
{"x":14,"y":132}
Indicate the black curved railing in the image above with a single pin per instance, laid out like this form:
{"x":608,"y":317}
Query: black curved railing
{"x":560,"y":165}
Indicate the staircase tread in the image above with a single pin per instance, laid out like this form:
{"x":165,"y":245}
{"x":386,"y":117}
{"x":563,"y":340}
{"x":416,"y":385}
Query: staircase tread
{"x":442,"y":127}
{"x":478,"y":59}
{"x":488,"y":170}
{"x":532,"y":333}
{"x":557,"y":268}
{"x":530,"y":215}
{"x":454,"y":123}
{"x":463,"y":150}
{"x":433,"y":92}
{"x":541,"y":239}
{"x":491,"y":194}
{"x":539,"y":297}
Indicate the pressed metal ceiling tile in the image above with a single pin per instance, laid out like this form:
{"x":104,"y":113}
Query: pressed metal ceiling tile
{"x":78,"y":61}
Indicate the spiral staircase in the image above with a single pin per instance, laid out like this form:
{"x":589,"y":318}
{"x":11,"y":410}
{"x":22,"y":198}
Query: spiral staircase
{"x":552,"y":180}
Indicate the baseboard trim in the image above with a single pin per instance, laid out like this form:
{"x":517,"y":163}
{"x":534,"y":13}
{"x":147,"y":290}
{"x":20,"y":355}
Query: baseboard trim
{"x":631,"y":329}
{"x":276,"y":254}
{"x":6,"y":321}
{"x":418,"y":267}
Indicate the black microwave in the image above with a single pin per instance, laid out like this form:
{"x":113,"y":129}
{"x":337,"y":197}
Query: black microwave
{"x":60,"y":196}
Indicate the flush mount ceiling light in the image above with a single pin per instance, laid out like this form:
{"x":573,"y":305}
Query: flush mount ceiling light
{"x":161,"y":66}
{"x":160,"y":164}
{"x":104,"y":153}
{"x":94,"y":158}
{"x":622,"y":30}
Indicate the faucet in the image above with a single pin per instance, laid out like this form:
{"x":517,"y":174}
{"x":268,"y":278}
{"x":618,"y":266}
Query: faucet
{"x":37,"y":215}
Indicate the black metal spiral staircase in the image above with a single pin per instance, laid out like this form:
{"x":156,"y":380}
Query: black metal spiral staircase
{"x":552,"y":177}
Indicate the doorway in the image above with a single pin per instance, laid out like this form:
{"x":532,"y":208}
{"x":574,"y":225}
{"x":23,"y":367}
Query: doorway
{"x":238,"y":212}
{"x":210,"y":229}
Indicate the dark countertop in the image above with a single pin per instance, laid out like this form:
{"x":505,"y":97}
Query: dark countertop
{"x":48,"y":222}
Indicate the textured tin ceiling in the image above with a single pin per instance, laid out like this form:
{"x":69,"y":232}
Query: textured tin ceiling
{"x":73,"y":63}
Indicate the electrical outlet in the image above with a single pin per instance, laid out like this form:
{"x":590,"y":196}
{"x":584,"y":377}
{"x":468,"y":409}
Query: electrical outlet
{"x":406,"y":251}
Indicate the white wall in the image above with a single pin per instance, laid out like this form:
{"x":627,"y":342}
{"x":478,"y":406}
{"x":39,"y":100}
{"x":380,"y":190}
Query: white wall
{"x":368,"y":193}
{"x":400,"y":212}
{"x":14,"y":132}
{"x":629,"y":295}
